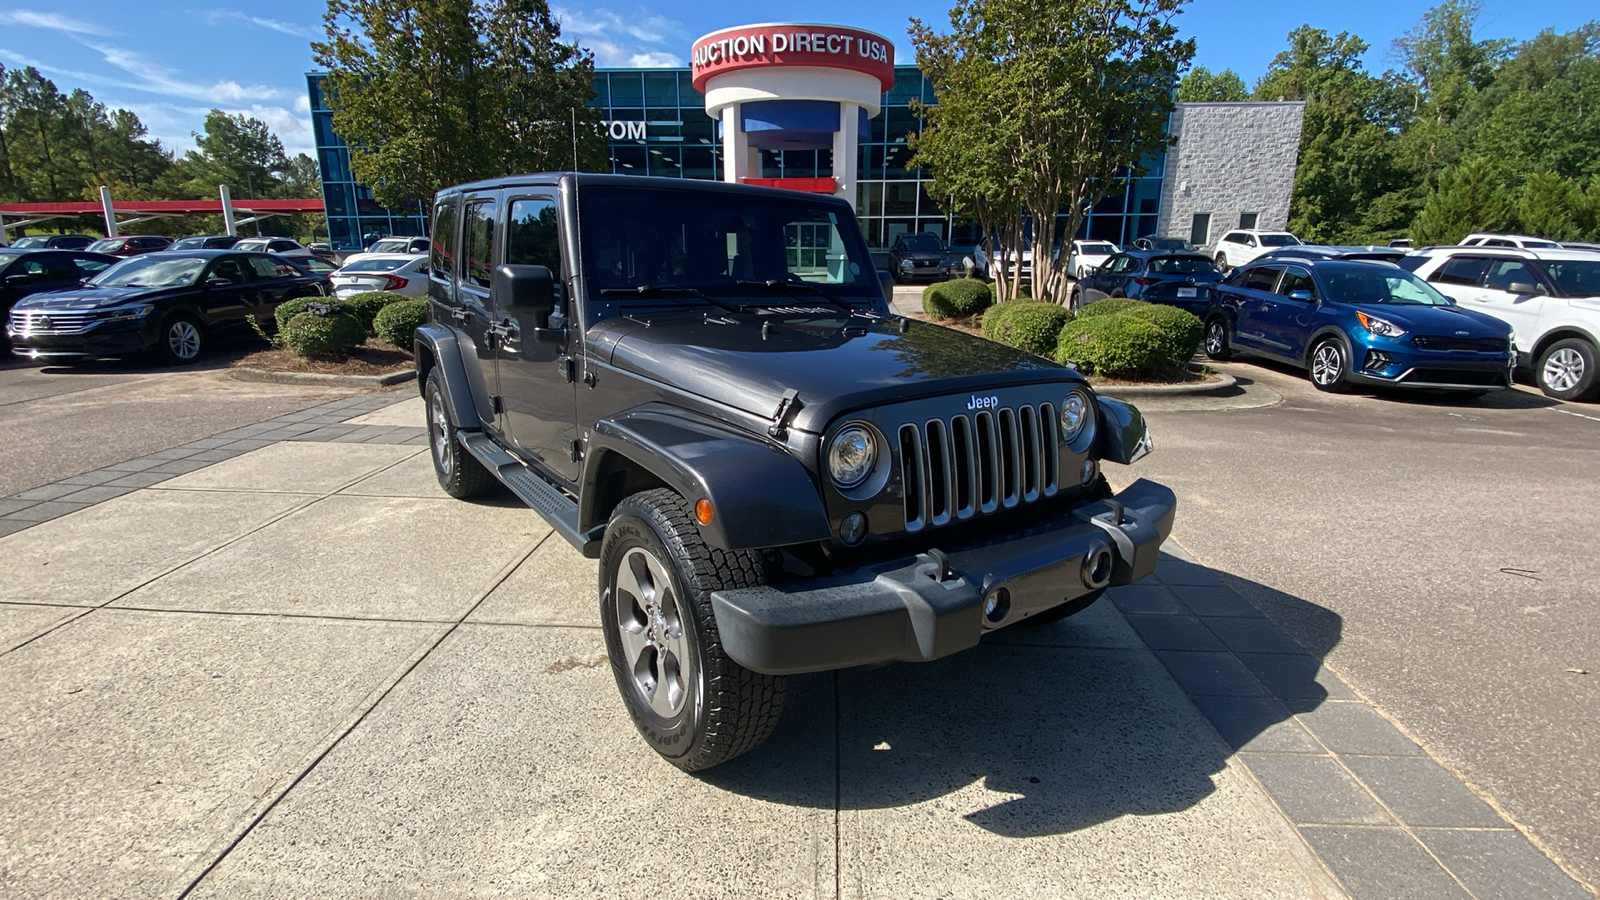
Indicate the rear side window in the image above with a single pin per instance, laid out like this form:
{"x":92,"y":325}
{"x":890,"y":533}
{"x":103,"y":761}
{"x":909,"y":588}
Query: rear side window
{"x":1263,"y":278}
{"x":1411,"y":262}
{"x":477,"y":242}
{"x":442,"y":261}
{"x":1467,"y":270}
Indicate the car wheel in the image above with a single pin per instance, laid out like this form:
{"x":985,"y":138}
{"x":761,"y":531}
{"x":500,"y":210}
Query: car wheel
{"x":1330,"y":366}
{"x":458,"y":471}
{"x":1567,"y":370}
{"x":692,"y":703}
{"x":182,"y":340}
{"x":1074,"y":297}
{"x":1222,"y":262}
{"x":1216,"y":343}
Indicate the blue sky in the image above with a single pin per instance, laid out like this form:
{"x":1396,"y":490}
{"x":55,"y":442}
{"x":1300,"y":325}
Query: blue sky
{"x":170,"y":62}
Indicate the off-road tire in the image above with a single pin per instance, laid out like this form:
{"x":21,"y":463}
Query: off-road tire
{"x":1568,"y":370}
{"x":458,"y":471}
{"x":727,"y":709}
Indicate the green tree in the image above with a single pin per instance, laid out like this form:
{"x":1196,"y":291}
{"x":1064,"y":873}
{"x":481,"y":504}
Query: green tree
{"x":40,"y":138}
{"x":1547,"y":206}
{"x":236,"y":150}
{"x":1465,"y":200}
{"x":1078,"y":94}
{"x":1202,"y":85}
{"x":430,"y":93}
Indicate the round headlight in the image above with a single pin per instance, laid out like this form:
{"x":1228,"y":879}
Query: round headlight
{"x":852,"y":455}
{"x":1074,"y":412}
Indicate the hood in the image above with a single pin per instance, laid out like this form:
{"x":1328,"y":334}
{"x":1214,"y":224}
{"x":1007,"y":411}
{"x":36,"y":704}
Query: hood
{"x":921,"y":254}
{"x":1438,"y":320}
{"x":725,"y":358}
{"x":88,"y":297}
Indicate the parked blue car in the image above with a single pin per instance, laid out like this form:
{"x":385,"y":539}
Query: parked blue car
{"x":1176,"y":278}
{"x":1365,"y":323}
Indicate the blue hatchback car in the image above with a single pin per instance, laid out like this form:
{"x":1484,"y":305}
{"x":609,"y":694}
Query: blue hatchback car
{"x":1178,"y":278}
{"x":1350,"y":323}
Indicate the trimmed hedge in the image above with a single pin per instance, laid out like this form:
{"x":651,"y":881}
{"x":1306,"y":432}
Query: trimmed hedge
{"x":1114,"y":345}
{"x":309,"y":334}
{"x":364,"y":307}
{"x":1029,"y":325}
{"x":1109,"y":306}
{"x":288,"y":309}
{"x":398,"y":321}
{"x":1182,"y":328}
{"x":961,"y":297}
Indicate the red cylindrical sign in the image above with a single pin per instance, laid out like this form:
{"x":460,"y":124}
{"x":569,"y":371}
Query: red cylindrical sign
{"x":787,"y":44}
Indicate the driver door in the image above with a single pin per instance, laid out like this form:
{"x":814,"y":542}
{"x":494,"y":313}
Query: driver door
{"x":220,"y":302}
{"x":537,"y":377}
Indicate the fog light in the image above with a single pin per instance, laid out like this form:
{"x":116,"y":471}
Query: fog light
{"x":997,"y":604}
{"x":853,"y":529}
{"x":1377,"y":360}
{"x":1090,"y":470}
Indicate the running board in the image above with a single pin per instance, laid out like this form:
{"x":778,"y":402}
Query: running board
{"x":546,"y":499}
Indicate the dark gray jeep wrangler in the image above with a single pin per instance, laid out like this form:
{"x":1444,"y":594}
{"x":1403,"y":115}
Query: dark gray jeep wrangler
{"x":702,"y":386}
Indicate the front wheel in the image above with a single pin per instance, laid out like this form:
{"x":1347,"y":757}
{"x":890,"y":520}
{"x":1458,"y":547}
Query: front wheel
{"x":1567,"y":370}
{"x":1330,"y":366}
{"x":182,"y":340}
{"x":1222,"y":262}
{"x":1217,"y":346}
{"x":692,"y":703}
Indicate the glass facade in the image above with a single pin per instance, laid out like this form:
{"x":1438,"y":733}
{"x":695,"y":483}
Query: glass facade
{"x":657,"y":125}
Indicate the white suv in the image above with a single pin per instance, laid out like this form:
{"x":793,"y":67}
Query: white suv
{"x":1086,"y":256}
{"x":1519,"y":241}
{"x":1245,"y":244}
{"x":1550,"y":298}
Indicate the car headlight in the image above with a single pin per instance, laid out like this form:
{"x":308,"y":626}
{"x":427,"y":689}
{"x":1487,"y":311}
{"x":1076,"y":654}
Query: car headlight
{"x":851,"y":455}
{"x":118,"y":313}
{"x":1380,"y":327}
{"x":1074,"y":413}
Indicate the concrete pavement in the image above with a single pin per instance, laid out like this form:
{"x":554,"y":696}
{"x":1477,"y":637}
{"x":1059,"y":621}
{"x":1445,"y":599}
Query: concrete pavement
{"x":302,"y":670}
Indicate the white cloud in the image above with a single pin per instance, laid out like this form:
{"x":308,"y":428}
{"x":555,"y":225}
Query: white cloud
{"x":51,"y":21}
{"x":156,"y":78}
{"x":217,"y":16}
{"x":614,"y":38}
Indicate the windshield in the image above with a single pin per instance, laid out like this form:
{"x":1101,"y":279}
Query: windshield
{"x":31,"y":241}
{"x":1574,"y":277}
{"x":152,"y":271}
{"x":708,"y":240}
{"x":1096,"y":249}
{"x":105,"y":245}
{"x":194,"y":243}
{"x":398,"y":246}
{"x":375,"y":265}
{"x":1182,"y":265}
{"x":922,"y":242}
{"x":1374,"y":284}
{"x":1278,"y":240}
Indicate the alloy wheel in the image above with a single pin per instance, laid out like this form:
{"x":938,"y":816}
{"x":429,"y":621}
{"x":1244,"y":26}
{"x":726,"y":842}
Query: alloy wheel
{"x":1216,"y":340}
{"x":438,"y":430}
{"x":1326,"y":364}
{"x":183,"y":339}
{"x":1563,"y":370}
{"x":651,"y":624}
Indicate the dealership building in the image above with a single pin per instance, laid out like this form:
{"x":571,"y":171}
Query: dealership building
{"x":824,"y":108}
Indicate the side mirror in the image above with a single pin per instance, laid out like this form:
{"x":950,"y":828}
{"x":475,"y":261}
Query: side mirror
{"x":1524,"y":287}
{"x":214,"y":281}
{"x":886,"y":281}
{"x":529,"y":291}
{"x":1302,"y":295}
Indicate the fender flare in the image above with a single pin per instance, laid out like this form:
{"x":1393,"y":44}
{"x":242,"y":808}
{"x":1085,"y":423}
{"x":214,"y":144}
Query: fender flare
{"x":761,"y":496}
{"x":1124,"y":436}
{"x":436,"y":347}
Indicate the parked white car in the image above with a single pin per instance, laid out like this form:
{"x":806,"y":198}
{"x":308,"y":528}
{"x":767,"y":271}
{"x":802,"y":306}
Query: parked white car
{"x":1519,"y":241}
{"x":1239,"y":247}
{"x":398,"y":273}
{"x":983,"y":264}
{"x":1086,"y":256}
{"x":280,"y":245}
{"x":1550,"y":298}
{"x":405,"y":246}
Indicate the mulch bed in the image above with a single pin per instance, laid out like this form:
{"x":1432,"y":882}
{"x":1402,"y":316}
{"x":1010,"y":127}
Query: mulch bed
{"x":375,"y":357}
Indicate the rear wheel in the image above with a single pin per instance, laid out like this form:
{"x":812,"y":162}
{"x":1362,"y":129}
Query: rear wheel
{"x":1217,"y":346}
{"x":458,"y":471}
{"x":692,"y":703}
{"x":1330,"y":366}
{"x":1567,"y":370}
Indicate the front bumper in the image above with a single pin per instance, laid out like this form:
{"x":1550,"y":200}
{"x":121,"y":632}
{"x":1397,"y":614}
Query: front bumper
{"x":932,"y":605}
{"x":111,"y":338}
{"x":1392,"y":365}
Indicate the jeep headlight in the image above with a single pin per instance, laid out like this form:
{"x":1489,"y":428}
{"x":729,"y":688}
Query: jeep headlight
{"x":1074,"y":413}
{"x":851,"y":456}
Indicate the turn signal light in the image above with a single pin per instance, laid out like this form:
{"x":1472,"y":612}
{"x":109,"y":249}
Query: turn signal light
{"x":703,"y":511}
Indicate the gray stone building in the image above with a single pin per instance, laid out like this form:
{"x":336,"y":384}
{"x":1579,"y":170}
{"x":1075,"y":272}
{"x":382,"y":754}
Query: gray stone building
{"x":1231,"y":166}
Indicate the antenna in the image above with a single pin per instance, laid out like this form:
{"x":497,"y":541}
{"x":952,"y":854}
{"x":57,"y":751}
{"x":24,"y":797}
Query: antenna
{"x":574,"y":139}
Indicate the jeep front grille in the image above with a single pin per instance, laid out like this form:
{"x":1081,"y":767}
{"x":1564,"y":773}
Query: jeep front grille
{"x":957,"y":468}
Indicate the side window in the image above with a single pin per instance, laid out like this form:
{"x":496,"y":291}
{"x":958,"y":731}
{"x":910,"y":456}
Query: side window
{"x":1119,"y":265}
{"x":1250,"y":240}
{"x":1467,"y":270}
{"x":1262,"y":278}
{"x":1504,"y":273}
{"x":1200,"y":229}
{"x":1496,"y":242}
{"x":230,"y":267}
{"x":477,"y":243}
{"x":442,"y":258}
{"x":532,"y":238}
{"x":1233,"y":237}
{"x":1297,"y":279}
{"x":266,"y":268}
{"x":32,"y":267}
{"x":1248,"y":220}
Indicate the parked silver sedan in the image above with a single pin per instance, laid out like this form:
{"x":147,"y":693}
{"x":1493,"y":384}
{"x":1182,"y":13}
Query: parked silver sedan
{"x":399,"y":273}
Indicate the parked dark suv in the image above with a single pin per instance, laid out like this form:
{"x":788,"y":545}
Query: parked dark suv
{"x":921,"y":255}
{"x":701,"y":385}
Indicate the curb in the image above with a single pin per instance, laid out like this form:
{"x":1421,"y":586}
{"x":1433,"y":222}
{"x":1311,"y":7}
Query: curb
{"x":1218,"y":384}
{"x":358,"y":381}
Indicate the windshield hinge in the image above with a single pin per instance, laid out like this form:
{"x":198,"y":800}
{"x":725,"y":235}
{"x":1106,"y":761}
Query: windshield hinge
{"x":787,"y":408}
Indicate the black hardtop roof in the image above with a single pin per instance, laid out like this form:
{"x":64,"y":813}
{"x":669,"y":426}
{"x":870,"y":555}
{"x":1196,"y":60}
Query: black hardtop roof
{"x":642,"y":182}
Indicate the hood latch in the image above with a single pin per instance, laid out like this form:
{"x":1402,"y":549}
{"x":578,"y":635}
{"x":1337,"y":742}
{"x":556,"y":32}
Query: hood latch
{"x":788,"y":407}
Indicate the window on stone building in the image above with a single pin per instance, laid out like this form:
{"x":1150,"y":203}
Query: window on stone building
{"x":1200,"y":230}
{"x":1248,"y":220}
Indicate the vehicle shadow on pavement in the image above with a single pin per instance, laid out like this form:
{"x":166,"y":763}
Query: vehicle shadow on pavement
{"x":1506,"y":399}
{"x":1128,"y":708}
{"x":219,"y":354}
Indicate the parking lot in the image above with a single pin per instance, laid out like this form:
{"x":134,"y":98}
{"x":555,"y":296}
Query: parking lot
{"x":287,"y":665}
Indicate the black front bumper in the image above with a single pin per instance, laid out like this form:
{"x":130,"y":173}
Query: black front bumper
{"x":114,"y":338}
{"x":904,"y":610}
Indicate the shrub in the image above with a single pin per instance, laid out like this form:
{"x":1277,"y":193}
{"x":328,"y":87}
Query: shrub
{"x":398,"y":321}
{"x":333,"y":335}
{"x":1114,"y":345}
{"x":1110,"y":306}
{"x":1182,"y":329}
{"x":961,"y":297}
{"x":1026,"y":324}
{"x":291,"y":308}
{"x":364,"y":307}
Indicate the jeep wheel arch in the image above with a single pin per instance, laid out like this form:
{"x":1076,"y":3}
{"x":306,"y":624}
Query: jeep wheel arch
{"x":435,"y":347}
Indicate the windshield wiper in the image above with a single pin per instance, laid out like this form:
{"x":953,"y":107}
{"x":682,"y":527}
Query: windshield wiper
{"x":658,"y":290}
{"x":775,"y":284}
